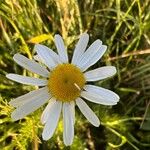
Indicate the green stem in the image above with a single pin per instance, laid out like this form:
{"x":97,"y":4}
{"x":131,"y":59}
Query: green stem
{"x":26,"y":48}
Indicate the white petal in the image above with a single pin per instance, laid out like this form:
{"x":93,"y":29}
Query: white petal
{"x":26,"y":80}
{"x":73,"y":110}
{"x":62,"y":52}
{"x":52,"y":120}
{"x":100,"y":73}
{"x":93,"y":56}
{"x":31,"y":65}
{"x":45,"y":113}
{"x":29,"y":107}
{"x":68,"y":124}
{"x":31,"y":96}
{"x":105,"y":93}
{"x":95,"y":98}
{"x":87,"y":112}
{"x":92,"y":49}
{"x":48,"y":57}
{"x":100,"y":95}
{"x":80,"y":48}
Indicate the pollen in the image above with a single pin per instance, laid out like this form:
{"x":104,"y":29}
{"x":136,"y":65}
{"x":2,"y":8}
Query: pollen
{"x":66,"y":82}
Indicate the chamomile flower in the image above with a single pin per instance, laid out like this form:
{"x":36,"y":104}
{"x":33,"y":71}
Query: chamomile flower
{"x":63,"y":85}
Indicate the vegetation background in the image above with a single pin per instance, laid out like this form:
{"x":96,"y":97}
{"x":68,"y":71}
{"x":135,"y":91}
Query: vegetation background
{"x":122,"y":25}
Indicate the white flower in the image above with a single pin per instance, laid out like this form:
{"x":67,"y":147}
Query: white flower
{"x":65,"y":84}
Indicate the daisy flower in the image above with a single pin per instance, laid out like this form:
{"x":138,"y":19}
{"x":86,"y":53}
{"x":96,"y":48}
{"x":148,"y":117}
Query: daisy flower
{"x":63,"y":85}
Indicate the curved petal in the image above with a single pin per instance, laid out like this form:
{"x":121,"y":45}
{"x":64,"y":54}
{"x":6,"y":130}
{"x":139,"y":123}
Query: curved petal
{"x":29,"y":107}
{"x":95,"y":98}
{"x":87,"y":112}
{"x":80,"y":48}
{"x":62,"y":52}
{"x":68,"y":123}
{"x":31,"y":96}
{"x":48,"y":57}
{"x":45,"y":113}
{"x":52,"y":114}
{"x":89,"y":53}
{"x":92,"y":58}
{"x":26,"y":80}
{"x":30,"y":65}
{"x":100,"y":73}
{"x":100,"y":95}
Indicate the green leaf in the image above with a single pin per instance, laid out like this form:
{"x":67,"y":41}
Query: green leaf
{"x":146,"y":123}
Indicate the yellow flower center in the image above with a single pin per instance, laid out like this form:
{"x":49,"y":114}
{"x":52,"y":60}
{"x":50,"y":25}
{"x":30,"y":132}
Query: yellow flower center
{"x":66,"y":82}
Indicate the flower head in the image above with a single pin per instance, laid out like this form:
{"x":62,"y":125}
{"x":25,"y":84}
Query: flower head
{"x":63,"y":85}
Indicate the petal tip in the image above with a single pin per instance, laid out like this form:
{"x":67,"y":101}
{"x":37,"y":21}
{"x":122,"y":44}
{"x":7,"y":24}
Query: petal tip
{"x":99,"y":41}
{"x":16,"y":56}
{"x":67,"y":144}
{"x":11,"y":103}
{"x":57,"y":35}
{"x":98,"y":124}
{"x":8,"y":76}
{"x":44,"y":137}
{"x":85,"y":34}
{"x":117,"y":98}
{"x":104,"y":48}
{"x":114,"y":70}
{"x":14,"y":117}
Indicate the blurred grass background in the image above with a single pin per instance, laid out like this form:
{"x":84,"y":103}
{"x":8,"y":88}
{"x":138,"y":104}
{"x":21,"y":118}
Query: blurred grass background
{"x":122,"y":25}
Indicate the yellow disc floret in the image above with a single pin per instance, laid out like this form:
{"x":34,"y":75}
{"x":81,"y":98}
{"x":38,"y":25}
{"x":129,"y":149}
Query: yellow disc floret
{"x":66,"y":82}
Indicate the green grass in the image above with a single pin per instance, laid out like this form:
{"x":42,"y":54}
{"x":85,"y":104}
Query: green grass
{"x":122,"y":25}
